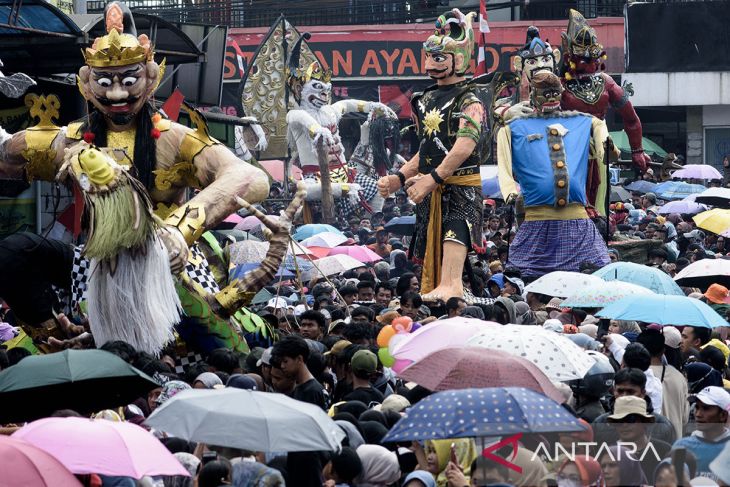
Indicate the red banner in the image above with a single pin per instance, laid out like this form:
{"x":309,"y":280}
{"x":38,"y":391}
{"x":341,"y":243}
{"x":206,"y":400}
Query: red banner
{"x":394,"y":51}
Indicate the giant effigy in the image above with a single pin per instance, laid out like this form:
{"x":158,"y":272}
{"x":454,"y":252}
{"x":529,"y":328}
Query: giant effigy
{"x":443,"y":177}
{"x":142,"y":270}
{"x":549,"y":152}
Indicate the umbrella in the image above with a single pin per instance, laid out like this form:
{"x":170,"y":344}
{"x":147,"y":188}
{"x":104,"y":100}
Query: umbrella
{"x":462,"y":368}
{"x":641,"y":275}
{"x":402,"y":225}
{"x":275,"y":168}
{"x":448,"y":333}
{"x":697,"y":171}
{"x":238,"y":272}
{"x":619,"y":194}
{"x":251,"y":222}
{"x":492,"y":411}
{"x":331,"y":265}
{"x":262,"y":297}
{"x":719,"y":197}
{"x":359,"y":252}
{"x":101,"y":446}
{"x":642,"y":186}
{"x":677,"y":190}
{"x":490,"y":188}
{"x":601,"y":295}
{"x":234,"y":218}
{"x":664,"y":310}
{"x":32,"y":466}
{"x":715,"y":220}
{"x":683,"y":207}
{"x":621,"y":141}
{"x":561,"y":284}
{"x":83,"y":380}
{"x":319,"y":252}
{"x":558,"y":357}
{"x":252,"y":420}
{"x":247,"y":252}
{"x":705,"y":272}
{"x":237,"y":235}
{"x":324,"y":239}
{"x":311,"y":229}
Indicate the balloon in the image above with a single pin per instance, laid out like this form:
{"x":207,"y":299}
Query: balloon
{"x":415,"y":326}
{"x":385,"y":358}
{"x":395,"y":341}
{"x":385,"y":335}
{"x":402,"y":324}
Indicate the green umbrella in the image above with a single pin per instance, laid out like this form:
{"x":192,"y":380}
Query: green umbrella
{"x":262,"y":297}
{"x":86,"y":381}
{"x":621,"y":141}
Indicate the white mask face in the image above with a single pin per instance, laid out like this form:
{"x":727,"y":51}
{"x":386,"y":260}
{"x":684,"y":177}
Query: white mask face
{"x":316,"y":94}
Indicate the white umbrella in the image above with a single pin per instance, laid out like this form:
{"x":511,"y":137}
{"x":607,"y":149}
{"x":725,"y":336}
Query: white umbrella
{"x":558,"y":357}
{"x":331,"y":265}
{"x":601,"y":295}
{"x":251,"y":420}
{"x":705,"y":272}
{"x":561,"y":284}
{"x":249,"y":252}
{"x":719,"y":197}
{"x":324,"y":239}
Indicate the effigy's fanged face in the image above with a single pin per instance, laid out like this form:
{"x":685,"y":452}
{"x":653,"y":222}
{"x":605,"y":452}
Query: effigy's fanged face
{"x":316,"y":94}
{"x":546,"y":100}
{"x":119,"y":92}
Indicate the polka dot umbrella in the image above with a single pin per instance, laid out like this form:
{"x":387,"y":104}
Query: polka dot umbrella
{"x":556,"y":356}
{"x":492,"y":411}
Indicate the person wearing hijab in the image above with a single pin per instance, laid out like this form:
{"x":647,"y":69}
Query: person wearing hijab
{"x":419,"y":478}
{"x":700,"y":375}
{"x":170,"y":389}
{"x":438,"y":455}
{"x":582,"y":471}
{"x":254,"y":474}
{"x":373,"y":432}
{"x":620,"y":468}
{"x":207,"y":380}
{"x":380,"y":467}
{"x":398,"y":263}
{"x":525,"y":315}
{"x":191,"y":463}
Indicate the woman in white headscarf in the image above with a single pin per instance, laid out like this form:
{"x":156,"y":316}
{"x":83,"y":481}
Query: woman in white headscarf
{"x":379,"y":466}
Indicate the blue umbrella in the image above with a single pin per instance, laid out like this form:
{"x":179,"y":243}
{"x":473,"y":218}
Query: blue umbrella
{"x":677,"y":190}
{"x":641,"y":275}
{"x":402,"y":225}
{"x":664,"y":310}
{"x":311,"y":229}
{"x":241,"y":269}
{"x":491,"y":411}
{"x":641,"y":186}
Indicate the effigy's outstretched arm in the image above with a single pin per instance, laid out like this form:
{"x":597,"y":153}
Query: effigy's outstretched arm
{"x":361,"y":106}
{"x":240,"y":291}
{"x":619,"y":99}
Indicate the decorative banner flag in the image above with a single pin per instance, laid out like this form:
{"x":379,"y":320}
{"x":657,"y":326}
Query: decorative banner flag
{"x":482,"y":39}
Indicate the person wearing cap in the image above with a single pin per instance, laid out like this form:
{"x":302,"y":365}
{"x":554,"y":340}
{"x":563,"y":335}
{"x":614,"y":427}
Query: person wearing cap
{"x":711,"y":406}
{"x":631,"y":420}
{"x":648,"y":202}
{"x":381,"y":246}
{"x":513,"y":286}
{"x":718,"y":298}
{"x":364,"y":365}
{"x":265,"y":364}
{"x":277,"y":306}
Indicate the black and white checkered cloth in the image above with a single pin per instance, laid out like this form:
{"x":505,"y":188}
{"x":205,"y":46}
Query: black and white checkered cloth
{"x":368,"y":189}
{"x":196,"y":269}
{"x":184,"y":363}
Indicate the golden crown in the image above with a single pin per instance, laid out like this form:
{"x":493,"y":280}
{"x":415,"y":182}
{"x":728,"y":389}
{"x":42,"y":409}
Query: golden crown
{"x":116,"y":49}
{"x":313,"y":71}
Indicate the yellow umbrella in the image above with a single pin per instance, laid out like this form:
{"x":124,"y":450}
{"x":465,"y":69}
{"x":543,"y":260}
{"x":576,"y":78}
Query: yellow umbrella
{"x":715,"y":220}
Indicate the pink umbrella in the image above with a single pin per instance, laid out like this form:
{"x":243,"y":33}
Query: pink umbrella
{"x":319,"y":252}
{"x":100,"y":446}
{"x":28,"y":465}
{"x":275,"y":168}
{"x":697,"y":171}
{"x":251,"y":222}
{"x":359,"y":252}
{"x":234,"y":218}
{"x":464,"y":368}
{"x":453,"y":332}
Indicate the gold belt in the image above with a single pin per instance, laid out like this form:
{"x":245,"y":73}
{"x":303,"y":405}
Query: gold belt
{"x":432,"y":257}
{"x":573,"y":211}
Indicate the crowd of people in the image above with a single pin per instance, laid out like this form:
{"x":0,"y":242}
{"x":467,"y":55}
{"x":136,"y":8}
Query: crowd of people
{"x":658,"y":389}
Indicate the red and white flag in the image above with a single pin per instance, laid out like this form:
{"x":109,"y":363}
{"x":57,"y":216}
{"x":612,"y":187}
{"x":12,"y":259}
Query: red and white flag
{"x":482,"y":39}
